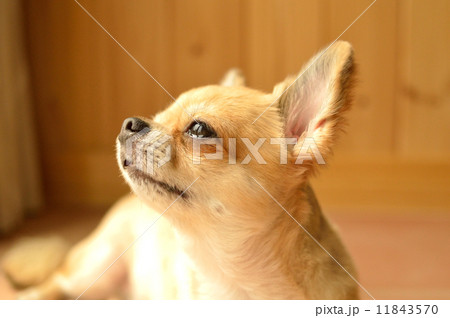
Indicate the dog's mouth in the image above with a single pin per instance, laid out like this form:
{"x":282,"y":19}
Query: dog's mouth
{"x":135,"y":173}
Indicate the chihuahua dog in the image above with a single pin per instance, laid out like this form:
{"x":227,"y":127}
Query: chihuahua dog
{"x":222,"y":207}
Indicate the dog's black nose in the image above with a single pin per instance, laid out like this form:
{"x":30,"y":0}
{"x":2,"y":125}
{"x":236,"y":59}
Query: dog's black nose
{"x":134,"y":125}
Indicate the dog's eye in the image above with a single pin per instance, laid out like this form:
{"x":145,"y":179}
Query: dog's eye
{"x":200,"y":129}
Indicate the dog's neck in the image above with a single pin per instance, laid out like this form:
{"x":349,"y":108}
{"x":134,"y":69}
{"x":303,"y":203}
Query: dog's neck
{"x":230,"y":253}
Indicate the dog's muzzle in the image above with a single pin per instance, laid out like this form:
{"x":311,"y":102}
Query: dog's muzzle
{"x":142,"y":147}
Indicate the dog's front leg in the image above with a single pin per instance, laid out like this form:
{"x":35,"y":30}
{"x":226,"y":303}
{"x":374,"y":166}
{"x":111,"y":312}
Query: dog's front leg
{"x":90,"y":269}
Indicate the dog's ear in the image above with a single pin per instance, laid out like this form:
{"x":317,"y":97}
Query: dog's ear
{"x":312,"y":107}
{"x":233,"y":77}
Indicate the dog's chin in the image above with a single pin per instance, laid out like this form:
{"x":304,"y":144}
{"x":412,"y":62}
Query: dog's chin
{"x":150,"y":188}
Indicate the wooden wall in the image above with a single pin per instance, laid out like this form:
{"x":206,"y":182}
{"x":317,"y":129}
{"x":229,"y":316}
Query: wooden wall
{"x":396,"y":152}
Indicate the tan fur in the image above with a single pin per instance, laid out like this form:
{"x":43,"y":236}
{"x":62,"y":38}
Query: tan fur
{"x":32,"y":260}
{"x":226,"y":237}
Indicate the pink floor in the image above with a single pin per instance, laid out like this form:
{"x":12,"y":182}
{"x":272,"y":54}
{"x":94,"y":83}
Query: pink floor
{"x":399,"y":256}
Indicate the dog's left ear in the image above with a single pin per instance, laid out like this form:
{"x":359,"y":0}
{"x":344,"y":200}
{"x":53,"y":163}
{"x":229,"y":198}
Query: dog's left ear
{"x":233,"y":77}
{"x":313,"y":105}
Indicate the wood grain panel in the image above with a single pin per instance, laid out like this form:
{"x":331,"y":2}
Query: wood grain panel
{"x":278,"y":38}
{"x":206,"y":42}
{"x":385,"y":185}
{"x":20,"y":184}
{"x":370,"y":129}
{"x":424,"y":80}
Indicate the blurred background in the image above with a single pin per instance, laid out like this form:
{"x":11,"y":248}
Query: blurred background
{"x":66,"y":87}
